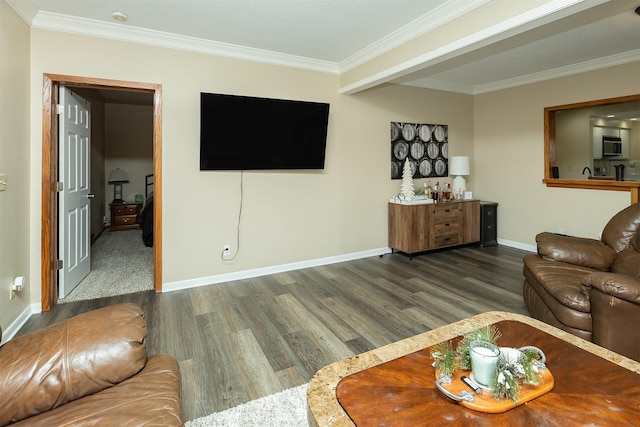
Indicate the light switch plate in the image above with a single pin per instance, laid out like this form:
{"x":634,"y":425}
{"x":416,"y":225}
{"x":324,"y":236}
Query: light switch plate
{"x":3,"y":182}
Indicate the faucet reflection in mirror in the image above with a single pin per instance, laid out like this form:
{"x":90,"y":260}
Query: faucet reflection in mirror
{"x":459,"y":166}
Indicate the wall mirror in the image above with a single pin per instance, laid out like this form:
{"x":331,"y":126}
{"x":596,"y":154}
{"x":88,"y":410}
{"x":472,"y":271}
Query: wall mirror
{"x":594,"y":145}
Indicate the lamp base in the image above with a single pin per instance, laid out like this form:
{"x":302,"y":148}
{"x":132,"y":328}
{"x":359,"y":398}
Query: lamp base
{"x":458,"y":187}
{"x":117,"y":201}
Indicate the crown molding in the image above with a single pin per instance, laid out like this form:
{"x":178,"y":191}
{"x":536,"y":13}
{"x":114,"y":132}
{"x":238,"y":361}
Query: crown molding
{"x":582,"y":67}
{"x":91,"y":27}
{"x":444,"y":13}
{"x":439,"y":16}
{"x":437,"y":84}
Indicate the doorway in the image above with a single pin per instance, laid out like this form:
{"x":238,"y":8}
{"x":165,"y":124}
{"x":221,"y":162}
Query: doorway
{"x":49,"y":250}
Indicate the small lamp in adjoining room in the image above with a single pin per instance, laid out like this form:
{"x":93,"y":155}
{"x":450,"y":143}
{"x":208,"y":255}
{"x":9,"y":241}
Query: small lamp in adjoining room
{"x":459,"y":166}
{"x":117,"y":178}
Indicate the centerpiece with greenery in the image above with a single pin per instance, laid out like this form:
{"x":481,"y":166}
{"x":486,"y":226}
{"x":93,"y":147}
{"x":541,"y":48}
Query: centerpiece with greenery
{"x":515,"y":366}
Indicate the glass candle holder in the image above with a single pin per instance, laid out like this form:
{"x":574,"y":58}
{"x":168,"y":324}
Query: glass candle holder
{"x":484,"y":358}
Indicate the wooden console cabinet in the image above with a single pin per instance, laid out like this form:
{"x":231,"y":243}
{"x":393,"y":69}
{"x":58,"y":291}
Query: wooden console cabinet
{"x":125,"y":216}
{"x":419,"y":228}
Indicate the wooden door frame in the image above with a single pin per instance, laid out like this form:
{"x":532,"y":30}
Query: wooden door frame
{"x":49,"y":225}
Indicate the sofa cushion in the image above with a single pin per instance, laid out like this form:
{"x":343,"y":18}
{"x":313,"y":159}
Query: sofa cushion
{"x":150,"y":398}
{"x":71,"y":359}
{"x":561,"y":280}
{"x":578,"y":251}
{"x":622,"y":228}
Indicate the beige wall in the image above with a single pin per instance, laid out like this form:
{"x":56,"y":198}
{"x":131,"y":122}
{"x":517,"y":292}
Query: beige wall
{"x":509,"y":158}
{"x":287,"y":216}
{"x":14,"y":162}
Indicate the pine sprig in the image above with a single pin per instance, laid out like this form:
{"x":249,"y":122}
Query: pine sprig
{"x":514,"y":368}
{"x":444,"y":358}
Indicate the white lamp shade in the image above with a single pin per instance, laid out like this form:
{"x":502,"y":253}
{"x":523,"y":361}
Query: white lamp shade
{"x":118,"y":175}
{"x":459,"y":165}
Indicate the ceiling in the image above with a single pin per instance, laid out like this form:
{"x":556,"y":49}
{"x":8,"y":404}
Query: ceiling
{"x":568,"y":37}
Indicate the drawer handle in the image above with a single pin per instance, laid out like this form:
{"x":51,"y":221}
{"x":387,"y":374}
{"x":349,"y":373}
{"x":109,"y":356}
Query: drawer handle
{"x":446,"y":224}
{"x":447,"y":210}
{"x":447,"y":238}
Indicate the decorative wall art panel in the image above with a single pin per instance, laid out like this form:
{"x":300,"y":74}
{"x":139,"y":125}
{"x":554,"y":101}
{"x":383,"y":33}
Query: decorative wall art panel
{"x":426,"y":146}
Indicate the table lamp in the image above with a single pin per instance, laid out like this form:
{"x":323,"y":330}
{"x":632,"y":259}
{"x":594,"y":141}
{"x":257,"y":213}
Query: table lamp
{"x":459,"y":166}
{"x":117,"y":178}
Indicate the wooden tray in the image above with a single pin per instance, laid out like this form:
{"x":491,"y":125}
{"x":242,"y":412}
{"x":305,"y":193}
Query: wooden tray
{"x":485,"y":402}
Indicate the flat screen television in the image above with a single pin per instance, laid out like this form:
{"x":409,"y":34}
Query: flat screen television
{"x":244,"y":133}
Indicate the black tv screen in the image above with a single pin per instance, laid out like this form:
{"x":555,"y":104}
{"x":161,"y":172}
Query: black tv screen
{"x":242,"y":133}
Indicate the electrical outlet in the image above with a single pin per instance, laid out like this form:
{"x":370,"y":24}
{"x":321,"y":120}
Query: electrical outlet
{"x":226,"y":250}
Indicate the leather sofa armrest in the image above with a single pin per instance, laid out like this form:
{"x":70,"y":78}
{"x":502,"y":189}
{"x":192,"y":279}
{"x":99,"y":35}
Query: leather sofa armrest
{"x":615,"y":310}
{"x":618,"y":285}
{"x":585,"y":252}
{"x":69,"y":360}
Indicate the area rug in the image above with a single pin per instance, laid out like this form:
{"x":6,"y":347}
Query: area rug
{"x":120,"y":264}
{"x":285,"y":409}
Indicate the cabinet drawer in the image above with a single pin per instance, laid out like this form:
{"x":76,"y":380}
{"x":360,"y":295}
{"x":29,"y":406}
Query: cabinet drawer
{"x":451,"y":237}
{"x":124,"y":220}
{"x":448,"y":227}
{"x":117,"y":210}
{"x":446,"y":213}
{"x":131,"y":210}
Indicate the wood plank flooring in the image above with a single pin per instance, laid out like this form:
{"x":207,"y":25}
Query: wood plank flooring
{"x":242,"y":340}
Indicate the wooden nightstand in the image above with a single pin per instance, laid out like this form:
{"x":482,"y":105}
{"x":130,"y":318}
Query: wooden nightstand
{"x":125,"y":216}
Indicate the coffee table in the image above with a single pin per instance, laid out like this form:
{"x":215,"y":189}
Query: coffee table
{"x":395,"y":385}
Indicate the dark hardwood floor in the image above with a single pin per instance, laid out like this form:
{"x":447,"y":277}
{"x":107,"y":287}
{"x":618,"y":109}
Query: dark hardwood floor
{"x":242,"y":340}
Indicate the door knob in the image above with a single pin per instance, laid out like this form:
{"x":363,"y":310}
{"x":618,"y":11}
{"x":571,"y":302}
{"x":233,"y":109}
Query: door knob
{"x":90,"y":196}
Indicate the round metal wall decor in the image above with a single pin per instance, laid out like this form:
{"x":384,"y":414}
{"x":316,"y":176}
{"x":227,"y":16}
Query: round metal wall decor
{"x":425,"y":145}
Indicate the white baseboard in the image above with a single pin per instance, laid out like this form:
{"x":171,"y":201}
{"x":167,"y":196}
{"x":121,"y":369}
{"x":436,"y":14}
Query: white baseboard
{"x":518,"y":245}
{"x":248,"y":274}
{"x":17,"y":324}
{"x":257,"y":272}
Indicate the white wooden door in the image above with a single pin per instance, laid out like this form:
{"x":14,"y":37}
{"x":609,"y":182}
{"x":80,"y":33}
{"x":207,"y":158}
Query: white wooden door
{"x":74,"y":245}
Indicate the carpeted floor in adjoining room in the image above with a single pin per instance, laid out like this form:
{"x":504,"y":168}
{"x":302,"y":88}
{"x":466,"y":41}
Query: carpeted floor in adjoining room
{"x":120,"y":264}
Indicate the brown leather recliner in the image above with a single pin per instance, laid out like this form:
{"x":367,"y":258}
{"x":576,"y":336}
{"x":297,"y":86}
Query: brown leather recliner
{"x":589,"y":287}
{"x":89,"y":370}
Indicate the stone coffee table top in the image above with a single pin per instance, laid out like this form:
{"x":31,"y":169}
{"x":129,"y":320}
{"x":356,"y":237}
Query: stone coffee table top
{"x":325,"y":410}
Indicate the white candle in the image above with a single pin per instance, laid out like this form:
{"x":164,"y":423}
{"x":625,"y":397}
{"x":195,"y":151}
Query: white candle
{"x":484,"y":357}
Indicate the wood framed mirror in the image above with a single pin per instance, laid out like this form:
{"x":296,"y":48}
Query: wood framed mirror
{"x":573,"y":154}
